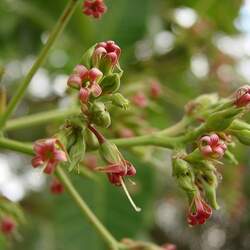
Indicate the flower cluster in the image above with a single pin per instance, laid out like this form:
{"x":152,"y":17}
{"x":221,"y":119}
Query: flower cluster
{"x":95,"y":8}
{"x":196,"y":171}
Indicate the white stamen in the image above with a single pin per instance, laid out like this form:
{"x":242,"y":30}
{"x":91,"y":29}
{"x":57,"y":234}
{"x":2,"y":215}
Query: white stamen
{"x":43,"y":167}
{"x":137,"y":209}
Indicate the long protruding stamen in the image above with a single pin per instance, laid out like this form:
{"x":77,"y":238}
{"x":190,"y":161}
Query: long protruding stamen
{"x":137,"y":209}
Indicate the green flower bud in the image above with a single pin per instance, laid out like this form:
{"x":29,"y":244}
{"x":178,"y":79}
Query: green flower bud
{"x":242,"y":135}
{"x":201,"y":103}
{"x":120,"y":101}
{"x":231,"y":158}
{"x":195,"y":156}
{"x":221,"y":120}
{"x":91,"y":140}
{"x":99,"y":115}
{"x":239,"y":125}
{"x":110,"y":83}
{"x":184,"y":175}
{"x":86,"y":59}
{"x":77,"y":151}
{"x":109,"y":152}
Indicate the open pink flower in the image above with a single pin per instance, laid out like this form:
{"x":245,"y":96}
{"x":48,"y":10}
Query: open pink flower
{"x":56,"y":187}
{"x":7,"y":225}
{"x":95,"y":8}
{"x":86,"y":81}
{"x":212,"y":146}
{"x":118,"y":170}
{"x":49,"y":152}
{"x":199,"y":211}
{"x":108,"y":51}
{"x":242,"y":97}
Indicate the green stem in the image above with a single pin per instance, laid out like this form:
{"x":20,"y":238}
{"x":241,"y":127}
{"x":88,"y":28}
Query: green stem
{"x":16,"y":146}
{"x":63,"y":20}
{"x":177,"y":128}
{"x":153,"y":139}
{"x":106,"y":235}
{"x":40,"y":118}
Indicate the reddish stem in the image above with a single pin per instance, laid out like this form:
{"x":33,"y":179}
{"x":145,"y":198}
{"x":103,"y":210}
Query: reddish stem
{"x":101,"y":139}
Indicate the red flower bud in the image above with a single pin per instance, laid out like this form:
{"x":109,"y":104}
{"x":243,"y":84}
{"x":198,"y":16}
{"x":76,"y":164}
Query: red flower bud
{"x":155,"y":89}
{"x":56,"y":187}
{"x":107,"y":51}
{"x":95,"y":8}
{"x":242,"y":97}
{"x":8,"y":225}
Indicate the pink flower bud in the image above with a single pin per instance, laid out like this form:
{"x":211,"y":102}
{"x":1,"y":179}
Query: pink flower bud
{"x":74,"y":81}
{"x":49,"y":153}
{"x":107,"y":51}
{"x":126,"y":133}
{"x":84,"y":95}
{"x":95,"y":8}
{"x":242,"y":97}
{"x":81,"y":71}
{"x":8,"y":225}
{"x":56,"y":187}
{"x":140,"y":100}
{"x":155,"y":89}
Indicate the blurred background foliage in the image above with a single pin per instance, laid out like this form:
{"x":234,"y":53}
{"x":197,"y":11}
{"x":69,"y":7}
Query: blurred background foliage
{"x":190,"y":47}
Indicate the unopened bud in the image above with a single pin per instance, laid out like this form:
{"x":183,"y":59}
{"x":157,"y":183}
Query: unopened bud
{"x":209,"y":184}
{"x":120,"y":101}
{"x":221,"y":120}
{"x":99,"y":115}
{"x":77,"y":151}
{"x":110,"y":83}
{"x":91,"y":140}
{"x":242,"y":135}
{"x":109,"y":152}
{"x":184,"y":176}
